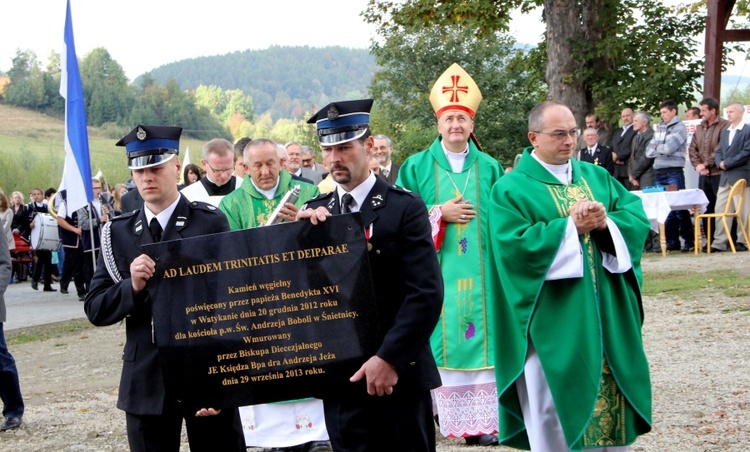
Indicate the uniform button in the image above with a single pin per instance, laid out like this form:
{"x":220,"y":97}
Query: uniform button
{"x":412,"y":363}
{"x":377,"y":251}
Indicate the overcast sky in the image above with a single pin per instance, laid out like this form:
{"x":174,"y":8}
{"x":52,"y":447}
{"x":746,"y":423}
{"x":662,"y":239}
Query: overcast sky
{"x":144,"y":34}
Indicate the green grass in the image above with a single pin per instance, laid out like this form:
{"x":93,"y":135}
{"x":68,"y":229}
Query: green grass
{"x":32,"y":151}
{"x":46,"y":332}
{"x":686,"y":283}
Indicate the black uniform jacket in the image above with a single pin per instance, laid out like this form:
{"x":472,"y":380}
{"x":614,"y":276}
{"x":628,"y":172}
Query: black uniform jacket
{"x":109,"y":301}
{"x":602,"y":157}
{"x":407,"y":280}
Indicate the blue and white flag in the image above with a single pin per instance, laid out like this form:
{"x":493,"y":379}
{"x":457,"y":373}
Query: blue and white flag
{"x":76,"y":178}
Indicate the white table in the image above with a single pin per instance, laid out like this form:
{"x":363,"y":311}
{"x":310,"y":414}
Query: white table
{"x":657,"y":206}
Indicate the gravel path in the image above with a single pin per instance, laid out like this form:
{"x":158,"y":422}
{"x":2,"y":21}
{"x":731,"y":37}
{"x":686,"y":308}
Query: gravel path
{"x":697,"y":348}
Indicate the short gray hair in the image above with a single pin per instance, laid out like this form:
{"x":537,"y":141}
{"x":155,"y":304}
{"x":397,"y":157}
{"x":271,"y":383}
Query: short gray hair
{"x":259,"y":143}
{"x":645,"y":117}
{"x":384,"y":137}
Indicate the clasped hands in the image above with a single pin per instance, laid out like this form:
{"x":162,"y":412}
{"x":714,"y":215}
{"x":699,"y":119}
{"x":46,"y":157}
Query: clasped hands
{"x":588,"y":215}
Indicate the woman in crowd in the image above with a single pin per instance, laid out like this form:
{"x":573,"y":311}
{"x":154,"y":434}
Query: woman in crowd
{"x":7,"y":218}
{"x":191,"y":174}
{"x":20,"y":228}
{"x":20,"y":214}
{"x":120,"y":189}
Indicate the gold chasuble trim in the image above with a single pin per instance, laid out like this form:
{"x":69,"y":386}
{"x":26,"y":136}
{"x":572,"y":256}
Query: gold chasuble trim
{"x":607,"y":424}
{"x":478,"y":208}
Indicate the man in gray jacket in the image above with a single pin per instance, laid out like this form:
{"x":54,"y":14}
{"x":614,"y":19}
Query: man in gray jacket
{"x":667,"y":148}
{"x":10,"y":388}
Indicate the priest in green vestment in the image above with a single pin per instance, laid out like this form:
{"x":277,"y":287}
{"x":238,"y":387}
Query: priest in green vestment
{"x":273,"y":425}
{"x":566,"y":242}
{"x":264,"y":186}
{"x":454,"y":178}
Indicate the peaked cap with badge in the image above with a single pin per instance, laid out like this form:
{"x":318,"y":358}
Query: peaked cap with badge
{"x":455,"y":90}
{"x":149,"y":146}
{"x":341,"y":122}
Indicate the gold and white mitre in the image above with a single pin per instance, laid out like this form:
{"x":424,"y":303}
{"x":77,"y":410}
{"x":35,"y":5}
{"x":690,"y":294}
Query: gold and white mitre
{"x":455,"y":90}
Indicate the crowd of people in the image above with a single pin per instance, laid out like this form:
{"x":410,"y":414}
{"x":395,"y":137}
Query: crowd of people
{"x":509,"y":303}
{"x":641,"y":156}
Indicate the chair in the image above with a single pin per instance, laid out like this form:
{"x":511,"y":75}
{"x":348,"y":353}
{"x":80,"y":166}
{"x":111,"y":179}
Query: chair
{"x":737,"y":191}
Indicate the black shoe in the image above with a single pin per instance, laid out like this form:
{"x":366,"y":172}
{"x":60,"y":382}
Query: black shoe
{"x":740,"y":247}
{"x":81,"y":297}
{"x":50,"y":289}
{"x":63,"y":291}
{"x":482,"y":440}
{"x":318,"y":446}
{"x":10,"y":423}
{"x":673,"y":248}
{"x":716,"y":250}
{"x":687,"y":248}
{"x":34,"y":285}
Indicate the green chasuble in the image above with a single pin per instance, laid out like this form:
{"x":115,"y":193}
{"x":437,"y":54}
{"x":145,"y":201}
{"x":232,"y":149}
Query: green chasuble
{"x":247,"y":208}
{"x":461,"y":340}
{"x":587,"y":331}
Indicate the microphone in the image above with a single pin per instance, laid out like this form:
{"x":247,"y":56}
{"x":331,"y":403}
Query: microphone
{"x":291,"y":196}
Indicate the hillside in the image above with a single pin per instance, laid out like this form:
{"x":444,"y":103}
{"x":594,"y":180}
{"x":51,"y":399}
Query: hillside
{"x":32,"y":152}
{"x":286,"y":81}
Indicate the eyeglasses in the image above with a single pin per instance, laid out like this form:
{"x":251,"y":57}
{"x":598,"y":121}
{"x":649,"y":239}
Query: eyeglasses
{"x":306,"y":160}
{"x":561,"y":134}
{"x":225,"y":170}
{"x":381,"y":148}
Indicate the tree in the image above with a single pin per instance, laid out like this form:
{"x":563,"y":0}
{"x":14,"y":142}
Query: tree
{"x":105,"y":88}
{"x":410,"y":62}
{"x":593,"y":49}
{"x":27,"y":82}
{"x":224,"y":104}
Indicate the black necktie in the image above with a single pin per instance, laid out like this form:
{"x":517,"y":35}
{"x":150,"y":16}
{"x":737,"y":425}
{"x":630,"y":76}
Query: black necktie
{"x":155,"y":228}
{"x":346,"y":202}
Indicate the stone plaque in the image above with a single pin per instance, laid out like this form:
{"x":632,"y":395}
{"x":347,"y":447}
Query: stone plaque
{"x":263,"y":315}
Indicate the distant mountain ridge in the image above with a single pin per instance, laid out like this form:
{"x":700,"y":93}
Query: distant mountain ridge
{"x":285,"y":81}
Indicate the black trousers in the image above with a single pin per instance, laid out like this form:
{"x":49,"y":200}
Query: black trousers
{"x":73,"y":269}
{"x":223,"y":432}
{"x":43,"y":263}
{"x":400,"y":422}
{"x":710,"y":186}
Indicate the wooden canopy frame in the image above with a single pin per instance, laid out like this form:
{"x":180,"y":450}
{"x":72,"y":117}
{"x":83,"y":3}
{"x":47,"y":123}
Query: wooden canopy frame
{"x":716,"y":35}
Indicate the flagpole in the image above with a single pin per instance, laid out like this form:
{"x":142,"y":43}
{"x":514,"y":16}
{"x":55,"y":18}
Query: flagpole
{"x":92,"y":211}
